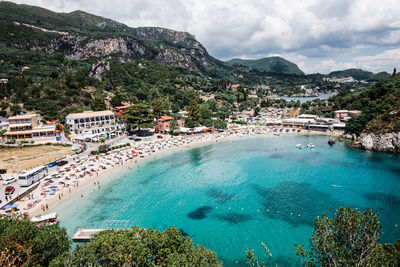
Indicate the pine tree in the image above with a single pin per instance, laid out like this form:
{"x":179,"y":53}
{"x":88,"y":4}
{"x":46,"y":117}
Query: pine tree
{"x":194,"y":110}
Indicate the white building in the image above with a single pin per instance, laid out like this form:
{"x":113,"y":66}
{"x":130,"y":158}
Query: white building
{"x":93,"y":123}
{"x":4,"y":124}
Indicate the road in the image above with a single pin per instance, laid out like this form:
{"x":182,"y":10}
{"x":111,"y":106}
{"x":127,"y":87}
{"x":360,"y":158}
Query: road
{"x":52,"y":170}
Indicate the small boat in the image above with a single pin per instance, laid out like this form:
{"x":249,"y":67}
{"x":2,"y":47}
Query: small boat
{"x":310,"y":145}
{"x":48,"y":219}
{"x":300,"y":146}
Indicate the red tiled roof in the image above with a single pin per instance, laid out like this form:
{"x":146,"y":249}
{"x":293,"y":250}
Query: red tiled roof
{"x":165,"y":118}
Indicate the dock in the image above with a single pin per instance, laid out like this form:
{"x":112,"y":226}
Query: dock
{"x":84,"y":235}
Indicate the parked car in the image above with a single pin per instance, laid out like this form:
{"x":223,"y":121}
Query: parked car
{"x":52,"y":164}
{"x":9,"y":190}
{"x":62,"y":162}
{"x":159,"y":137}
{"x":3,"y":171}
{"x":9,"y":180}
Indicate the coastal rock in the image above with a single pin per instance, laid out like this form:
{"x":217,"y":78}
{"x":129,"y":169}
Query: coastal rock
{"x":389,"y":142}
{"x":331,"y":141}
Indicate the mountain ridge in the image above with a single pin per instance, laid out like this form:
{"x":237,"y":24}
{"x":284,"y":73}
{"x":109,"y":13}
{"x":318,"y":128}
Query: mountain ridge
{"x":268,"y":64}
{"x":360,"y":74}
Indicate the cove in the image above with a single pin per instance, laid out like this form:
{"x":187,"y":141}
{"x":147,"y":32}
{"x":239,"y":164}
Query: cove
{"x":233,"y":195}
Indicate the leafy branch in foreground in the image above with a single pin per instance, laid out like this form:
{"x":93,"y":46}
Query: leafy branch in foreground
{"x":350,"y":238}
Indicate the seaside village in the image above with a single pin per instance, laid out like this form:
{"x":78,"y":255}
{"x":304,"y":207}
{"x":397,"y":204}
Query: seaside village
{"x":34,"y":191}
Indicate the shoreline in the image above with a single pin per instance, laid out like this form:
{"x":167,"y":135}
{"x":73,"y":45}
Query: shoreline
{"x":125,"y":163}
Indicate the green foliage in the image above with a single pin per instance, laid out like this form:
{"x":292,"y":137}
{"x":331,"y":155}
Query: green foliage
{"x":103,"y":148}
{"x":158,"y":106}
{"x":139,"y":247}
{"x":139,"y":116}
{"x":189,"y":123}
{"x":32,"y":245}
{"x":359,"y":74}
{"x":269,"y":64}
{"x":379,"y":103}
{"x":174,"y":126}
{"x":219,"y":124}
{"x":194,"y":110}
{"x":350,"y":238}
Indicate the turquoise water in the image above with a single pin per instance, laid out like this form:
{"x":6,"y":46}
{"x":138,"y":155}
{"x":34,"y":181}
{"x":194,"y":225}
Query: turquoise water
{"x":233,"y":195}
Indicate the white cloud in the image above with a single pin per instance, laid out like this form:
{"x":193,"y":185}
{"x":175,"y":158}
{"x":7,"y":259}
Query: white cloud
{"x":316,"y":29}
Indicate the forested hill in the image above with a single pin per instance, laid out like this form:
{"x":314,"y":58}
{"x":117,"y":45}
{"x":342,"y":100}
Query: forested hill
{"x":360,"y":74}
{"x":380,"y":104}
{"x":268,"y":64}
{"x":79,"y":35}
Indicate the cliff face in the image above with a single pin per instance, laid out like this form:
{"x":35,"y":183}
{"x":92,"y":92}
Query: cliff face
{"x":79,"y":35}
{"x":389,"y":142}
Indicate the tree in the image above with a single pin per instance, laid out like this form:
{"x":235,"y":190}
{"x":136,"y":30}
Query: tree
{"x":139,"y":116}
{"x":350,"y":238}
{"x":30,"y":245}
{"x":174,"y":126}
{"x":139,"y":247}
{"x":194,"y":110}
{"x":158,"y":107}
{"x":256,"y":111}
{"x":219,"y":124}
{"x":206,"y":112}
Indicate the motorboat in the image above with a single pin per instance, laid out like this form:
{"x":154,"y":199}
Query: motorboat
{"x":300,"y":146}
{"x":48,"y":219}
{"x":310,"y":145}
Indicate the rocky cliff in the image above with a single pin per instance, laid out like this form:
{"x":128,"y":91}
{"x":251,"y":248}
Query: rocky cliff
{"x":388,"y":142}
{"x":79,"y":35}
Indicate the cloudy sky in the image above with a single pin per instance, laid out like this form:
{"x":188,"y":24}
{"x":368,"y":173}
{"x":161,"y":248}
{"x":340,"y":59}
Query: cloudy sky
{"x":318,"y":35}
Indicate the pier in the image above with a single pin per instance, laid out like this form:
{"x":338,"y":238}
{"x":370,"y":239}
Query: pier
{"x":84,"y":235}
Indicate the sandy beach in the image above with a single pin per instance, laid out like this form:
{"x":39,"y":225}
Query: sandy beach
{"x":94,"y":171}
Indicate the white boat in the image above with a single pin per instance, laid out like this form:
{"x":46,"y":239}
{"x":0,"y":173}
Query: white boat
{"x":300,"y":146}
{"x":48,"y":219}
{"x":310,"y":145}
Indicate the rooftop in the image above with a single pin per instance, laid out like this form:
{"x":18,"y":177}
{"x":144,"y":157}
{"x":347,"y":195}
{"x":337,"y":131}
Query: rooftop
{"x":22,"y":117}
{"x":88,"y":114}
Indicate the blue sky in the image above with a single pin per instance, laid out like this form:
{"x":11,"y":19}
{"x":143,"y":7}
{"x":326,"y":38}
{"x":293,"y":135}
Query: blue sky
{"x":318,"y":35}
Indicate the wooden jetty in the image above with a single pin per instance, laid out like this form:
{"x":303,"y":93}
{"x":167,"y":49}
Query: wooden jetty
{"x":84,"y":235}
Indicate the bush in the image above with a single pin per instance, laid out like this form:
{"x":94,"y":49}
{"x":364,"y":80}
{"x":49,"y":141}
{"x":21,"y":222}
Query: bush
{"x":103,"y":149}
{"x":153,"y":248}
{"x":32,"y":245}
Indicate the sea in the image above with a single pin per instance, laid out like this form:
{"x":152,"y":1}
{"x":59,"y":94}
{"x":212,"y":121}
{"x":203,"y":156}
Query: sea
{"x":232,"y":195}
{"x":307,"y":98}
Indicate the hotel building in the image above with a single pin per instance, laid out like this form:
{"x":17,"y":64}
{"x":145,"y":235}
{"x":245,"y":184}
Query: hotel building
{"x":28,"y":127}
{"x":94,"y":123}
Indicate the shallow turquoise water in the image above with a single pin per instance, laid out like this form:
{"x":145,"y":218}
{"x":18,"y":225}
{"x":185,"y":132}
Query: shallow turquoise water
{"x":233,"y":195}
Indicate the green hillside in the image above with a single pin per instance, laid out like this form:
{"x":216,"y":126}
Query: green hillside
{"x":380,"y":104}
{"x":360,"y":74}
{"x":268,"y":64}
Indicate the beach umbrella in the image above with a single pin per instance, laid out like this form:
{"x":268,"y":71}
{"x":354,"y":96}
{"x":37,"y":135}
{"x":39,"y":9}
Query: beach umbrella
{"x":6,"y":207}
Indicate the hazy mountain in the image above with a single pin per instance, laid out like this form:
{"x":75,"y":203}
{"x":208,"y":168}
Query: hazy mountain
{"x":268,"y":64}
{"x":360,"y":74}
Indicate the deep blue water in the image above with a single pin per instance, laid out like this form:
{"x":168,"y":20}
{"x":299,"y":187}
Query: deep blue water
{"x":233,"y":195}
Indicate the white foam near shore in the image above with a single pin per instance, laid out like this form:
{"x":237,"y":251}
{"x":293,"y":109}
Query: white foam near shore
{"x":93,"y":171}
